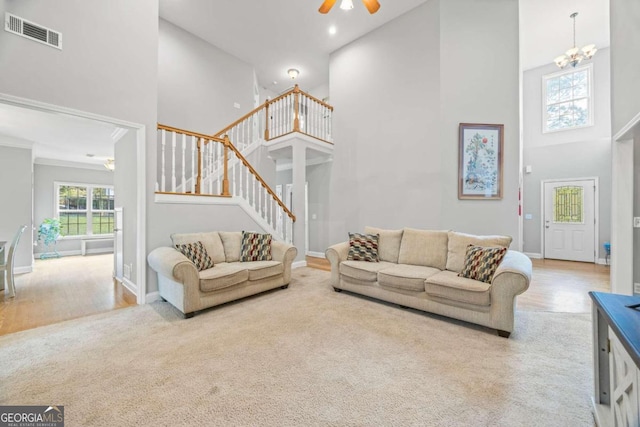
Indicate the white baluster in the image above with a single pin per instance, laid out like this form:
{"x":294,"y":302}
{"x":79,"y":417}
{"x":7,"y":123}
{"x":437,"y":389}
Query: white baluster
{"x":246,"y":183}
{"x":211,"y":164}
{"x":233,"y":179}
{"x":239,"y":177}
{"x":194,"y":173}
{"x":264,"y":202}
{"x":184,"y":152}
{"x":164,"y":142}
{"x":254,"y":192}
{"x":173,"y":163}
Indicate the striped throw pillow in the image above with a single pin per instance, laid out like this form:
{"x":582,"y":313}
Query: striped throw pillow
{"x":481,"y":263}
{"x":255,"y":247}
{"x":197,"y":254}
{"x":363,"y":247}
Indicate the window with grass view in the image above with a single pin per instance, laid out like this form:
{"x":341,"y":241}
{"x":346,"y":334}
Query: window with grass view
{"x":567,"y":99}
{"x":85,"y":209}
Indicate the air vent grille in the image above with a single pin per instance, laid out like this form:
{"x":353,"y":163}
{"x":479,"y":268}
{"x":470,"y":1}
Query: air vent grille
{"x":32,"y":31}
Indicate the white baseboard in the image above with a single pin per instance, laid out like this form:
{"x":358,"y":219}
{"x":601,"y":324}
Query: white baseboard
{"x":22,"y":270}
{"x":152,"y":297}
{"x":315,"y":254}
{"x":132,"y":287}
{"x":299,"y":264}
{"x":533,"y":255}
{"x":601,"y":261}
{"x":78,"y":252}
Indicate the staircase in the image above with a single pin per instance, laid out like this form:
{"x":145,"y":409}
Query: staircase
{"x":194,"y":164}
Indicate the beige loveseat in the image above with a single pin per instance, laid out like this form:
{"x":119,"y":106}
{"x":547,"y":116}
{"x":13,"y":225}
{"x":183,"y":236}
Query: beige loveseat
{"x":190,"y":290}
{"x":419,"y":269}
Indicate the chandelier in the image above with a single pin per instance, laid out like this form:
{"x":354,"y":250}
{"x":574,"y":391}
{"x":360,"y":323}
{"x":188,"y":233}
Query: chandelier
{"x":575,"y":55}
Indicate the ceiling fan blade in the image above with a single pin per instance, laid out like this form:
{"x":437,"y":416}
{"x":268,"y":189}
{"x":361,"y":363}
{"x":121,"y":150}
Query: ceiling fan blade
{"x":371,"y":5}
{"x":326,"y":6}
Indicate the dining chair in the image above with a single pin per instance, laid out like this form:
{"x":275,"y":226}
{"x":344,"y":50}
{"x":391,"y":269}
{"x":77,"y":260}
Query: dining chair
{"x":7,"y":267}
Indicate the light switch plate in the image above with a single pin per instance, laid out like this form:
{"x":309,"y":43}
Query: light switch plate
{"x":528,"y":216}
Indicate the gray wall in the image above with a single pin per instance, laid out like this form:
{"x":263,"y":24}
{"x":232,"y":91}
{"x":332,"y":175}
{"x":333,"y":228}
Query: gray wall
{"x":399,"y":94}
{"x":199,"y":83}
{"x":44,"y":198}
{"x":108,"y":65}
{"x":16,"y":175}
{"x":625,"y":62}
{"x":577,"y":153}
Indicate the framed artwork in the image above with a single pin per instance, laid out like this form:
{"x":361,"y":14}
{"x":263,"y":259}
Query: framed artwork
{"x":480,"y":161}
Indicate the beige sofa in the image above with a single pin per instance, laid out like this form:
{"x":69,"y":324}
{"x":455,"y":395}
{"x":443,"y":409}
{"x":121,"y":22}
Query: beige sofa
{"x":190,"y":290}
{"x":419,"y":269}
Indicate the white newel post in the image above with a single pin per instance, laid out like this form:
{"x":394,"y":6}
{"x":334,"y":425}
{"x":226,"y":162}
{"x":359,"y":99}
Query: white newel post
{"x":299,"y":179}
{"x":193,"y":165}
{"x":163,"y":186}
{"x":173,"y":163}
{"x":183,"y":182}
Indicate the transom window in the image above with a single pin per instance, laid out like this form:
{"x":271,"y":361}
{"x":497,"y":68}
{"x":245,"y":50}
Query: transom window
{"x":568,"y":102}
{"x":85,"y":209}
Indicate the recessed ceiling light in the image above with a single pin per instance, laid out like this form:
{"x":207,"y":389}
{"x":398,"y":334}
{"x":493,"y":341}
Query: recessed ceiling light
{"x":275,"y":82}
{"x":90,"y":155}
{"x":333,"y":30}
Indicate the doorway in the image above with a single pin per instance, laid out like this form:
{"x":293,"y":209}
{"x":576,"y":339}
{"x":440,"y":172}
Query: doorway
{"x":570,"y":219}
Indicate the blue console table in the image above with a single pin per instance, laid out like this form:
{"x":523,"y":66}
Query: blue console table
{"x":616,"y":359}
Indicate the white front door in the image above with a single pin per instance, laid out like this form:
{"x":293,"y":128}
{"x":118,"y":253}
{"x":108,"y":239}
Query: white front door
{"x":569,"y":220}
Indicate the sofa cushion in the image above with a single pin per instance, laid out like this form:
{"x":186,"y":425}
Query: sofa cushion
{"x":197,"y":254}
{"x":423,"y":247}
{"x":232,"y":242}
{"x":366,"y":271}
{"x":363,"y":247}
{"x":405,"y":276}
{"x":448,"y":285}
{"x":255,"y":247}
{"x":458,"y":242}
{"x":262,"y":269}
{"x":481,"y":263}
{"x":388,"y":243}
{"x":223,"y":275}
{"x":210,"y":240}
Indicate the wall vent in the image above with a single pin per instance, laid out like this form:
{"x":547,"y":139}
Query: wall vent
{"x":32,"y":31}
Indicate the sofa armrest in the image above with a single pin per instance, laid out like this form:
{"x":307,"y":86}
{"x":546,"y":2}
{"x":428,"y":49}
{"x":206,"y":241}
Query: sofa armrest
{"x":284,"y":253}
{"x":515,"y":268}
{"x":173,"y":264}
{"x":336,"y":254}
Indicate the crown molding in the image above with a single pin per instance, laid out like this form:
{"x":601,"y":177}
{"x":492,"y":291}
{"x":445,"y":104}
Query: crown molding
{"x":68,"y":164}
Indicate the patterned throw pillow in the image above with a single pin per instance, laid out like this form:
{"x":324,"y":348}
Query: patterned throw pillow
{"x":363,"y":247}
{"x":255,"y":247}
{"x":197,"y":254}
{"x":481,"y":263}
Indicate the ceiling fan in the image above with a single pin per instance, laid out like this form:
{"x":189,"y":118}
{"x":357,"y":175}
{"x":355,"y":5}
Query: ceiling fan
{"x":371,"y":5}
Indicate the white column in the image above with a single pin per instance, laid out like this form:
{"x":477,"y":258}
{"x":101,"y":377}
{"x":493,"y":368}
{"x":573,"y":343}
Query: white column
{"x":299,"y":208}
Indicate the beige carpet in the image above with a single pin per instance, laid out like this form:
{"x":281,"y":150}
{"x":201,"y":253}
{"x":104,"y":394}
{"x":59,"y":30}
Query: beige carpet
{"x":299,"y":357}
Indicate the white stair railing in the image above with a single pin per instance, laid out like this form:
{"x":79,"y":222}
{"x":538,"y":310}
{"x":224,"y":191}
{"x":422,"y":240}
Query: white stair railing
{"x":217,"y":168}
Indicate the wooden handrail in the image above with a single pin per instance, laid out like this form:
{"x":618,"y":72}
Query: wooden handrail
{"x":241,"y":119}
{"x":262,"y":182}
{"x":189,"y":133}
{"x":228,"y":145}
{"x":313,"y":98}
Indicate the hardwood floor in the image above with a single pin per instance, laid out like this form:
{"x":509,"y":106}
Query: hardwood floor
{"x":62,"y":289}
{"x":557,"y":286}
